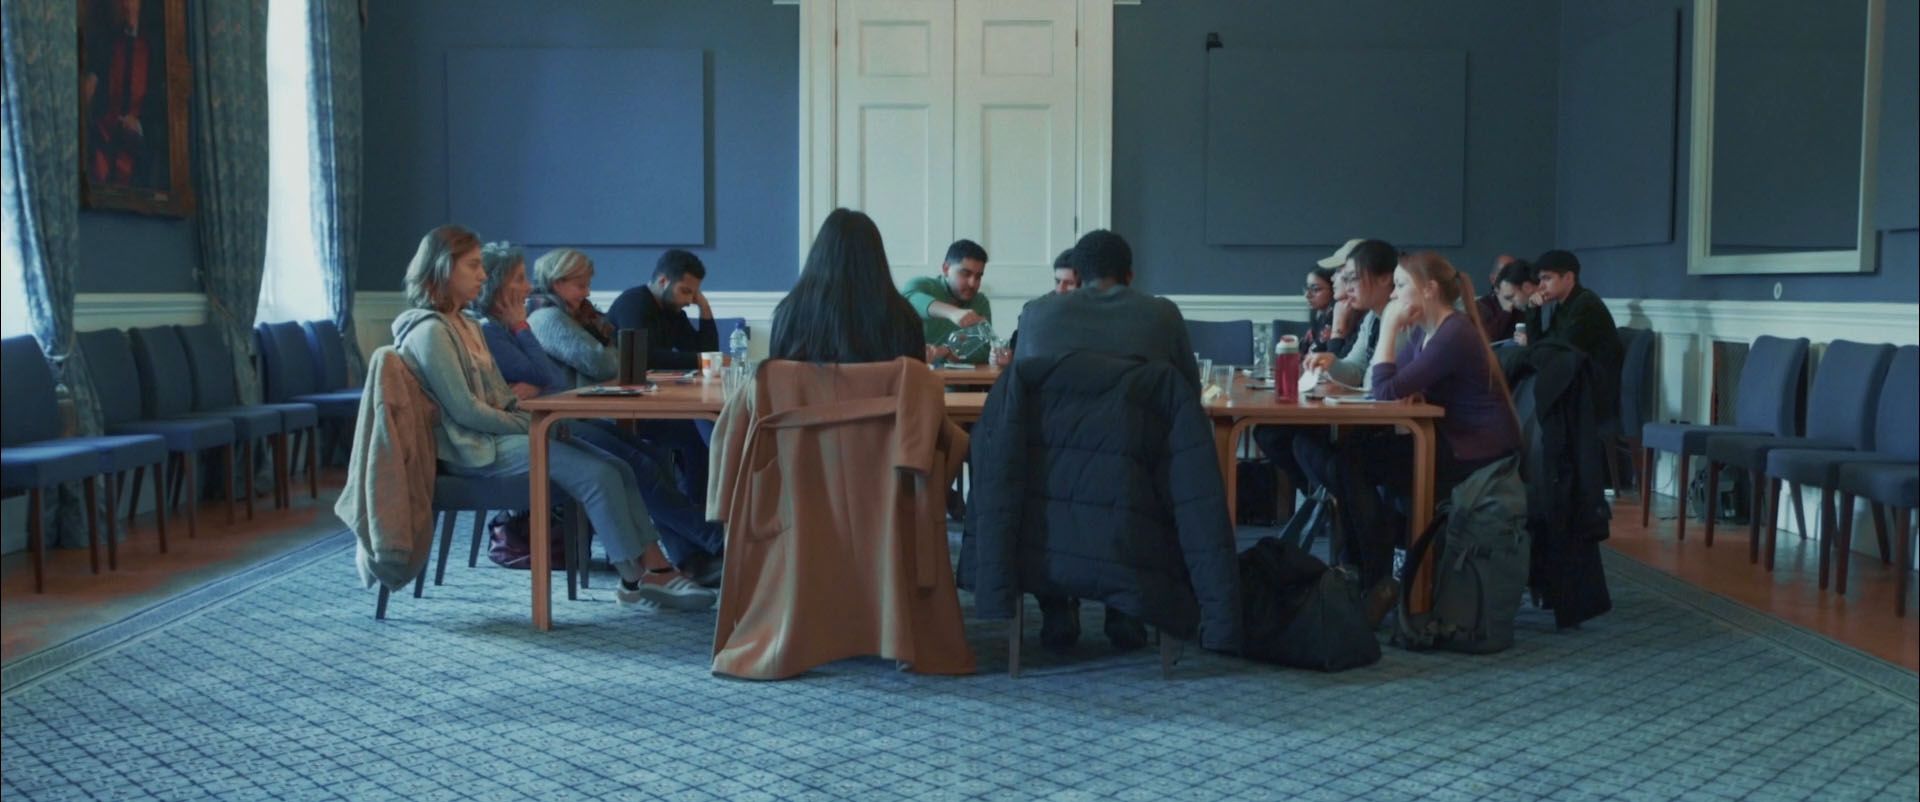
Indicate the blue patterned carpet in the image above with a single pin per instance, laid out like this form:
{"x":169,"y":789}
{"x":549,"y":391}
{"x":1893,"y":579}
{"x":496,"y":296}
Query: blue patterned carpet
{"x":278,"y":684}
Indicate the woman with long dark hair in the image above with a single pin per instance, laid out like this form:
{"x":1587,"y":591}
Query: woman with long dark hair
{"x":844,"y":308}
{"x":1319,"y":295}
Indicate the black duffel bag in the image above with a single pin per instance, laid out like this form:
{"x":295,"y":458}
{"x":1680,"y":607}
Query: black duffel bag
{"x":1298,"y":612}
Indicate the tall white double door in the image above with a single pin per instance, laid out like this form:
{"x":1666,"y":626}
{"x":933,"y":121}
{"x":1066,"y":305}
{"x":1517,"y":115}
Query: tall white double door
{"x":960,"y":119}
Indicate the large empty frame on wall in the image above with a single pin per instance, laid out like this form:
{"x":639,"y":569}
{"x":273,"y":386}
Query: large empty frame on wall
{"x":1309,"y":147}
{"x":578,"y":146}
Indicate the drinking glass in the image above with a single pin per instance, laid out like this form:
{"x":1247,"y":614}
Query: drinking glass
{"x":1262,"y":351}
{"x":1206,"y":373}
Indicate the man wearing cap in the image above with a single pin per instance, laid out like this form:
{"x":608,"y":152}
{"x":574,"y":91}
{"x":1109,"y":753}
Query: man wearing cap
{"x":1366,"y":269}
{"x":1572,"y":315}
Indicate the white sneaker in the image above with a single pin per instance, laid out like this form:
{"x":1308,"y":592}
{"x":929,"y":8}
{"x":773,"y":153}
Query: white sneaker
{"x":678,"y":593}
{"x":634,"y":598}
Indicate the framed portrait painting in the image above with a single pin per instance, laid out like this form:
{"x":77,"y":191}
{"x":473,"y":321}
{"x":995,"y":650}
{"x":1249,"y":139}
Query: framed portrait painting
{"x":134,"y":86}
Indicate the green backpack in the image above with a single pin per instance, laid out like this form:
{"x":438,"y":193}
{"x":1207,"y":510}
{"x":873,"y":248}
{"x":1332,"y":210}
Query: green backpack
{"x":1482,"y":553}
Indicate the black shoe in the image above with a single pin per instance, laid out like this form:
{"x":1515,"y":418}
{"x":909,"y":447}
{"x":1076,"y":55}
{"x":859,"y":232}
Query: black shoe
{"x":1059,"y":623}
{"x":1125,"y":631}
{"x":956,"y":505}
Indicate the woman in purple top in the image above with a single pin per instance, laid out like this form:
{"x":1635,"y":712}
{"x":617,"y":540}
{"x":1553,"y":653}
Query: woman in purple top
{"x":1447,"y":361}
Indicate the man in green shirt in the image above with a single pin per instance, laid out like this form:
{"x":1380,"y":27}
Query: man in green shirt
{"x":952,"y":300}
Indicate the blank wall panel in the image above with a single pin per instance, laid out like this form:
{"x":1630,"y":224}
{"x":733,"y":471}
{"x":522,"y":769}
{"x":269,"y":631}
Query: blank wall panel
{"x":1899,"y":179}
{"x":1313,"y":147}
{"x":578,"y":147}
{"x":1617,"y":118}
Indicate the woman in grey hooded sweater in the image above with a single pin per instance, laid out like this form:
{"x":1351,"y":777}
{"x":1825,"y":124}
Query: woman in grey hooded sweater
{"x":482,"y":431}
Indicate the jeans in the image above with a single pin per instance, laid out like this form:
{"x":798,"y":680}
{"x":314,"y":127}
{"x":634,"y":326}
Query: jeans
{"x":689,"y":440}
{"x":685,"y":532}
{"x":600,"y":482}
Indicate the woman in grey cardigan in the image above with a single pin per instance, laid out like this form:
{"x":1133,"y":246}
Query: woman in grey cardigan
{"x":482,"y":431}
{"x":567,"y":325}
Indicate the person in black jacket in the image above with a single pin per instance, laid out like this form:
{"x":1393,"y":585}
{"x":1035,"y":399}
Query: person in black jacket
{"x":1096,"y":476}
{"x":1104,"y":315}
{"x":1572,"y":315}
{"x":659,"y":308}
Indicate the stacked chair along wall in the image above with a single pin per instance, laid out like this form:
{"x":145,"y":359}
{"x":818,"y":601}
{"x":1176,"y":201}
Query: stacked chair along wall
{"x":216,"y":391}
{"x":117,"y":384}
{"x":294,"y":376}
{"x":1896,"y":443}
{"x":162,"y":363}
{"x":1846,"y":385}
{"x":1297,"y":328}
{"x":1766,"y":401}
{"x":1228,"y":342}
{"x":34,"y":456}
{"x":1637,"y":392}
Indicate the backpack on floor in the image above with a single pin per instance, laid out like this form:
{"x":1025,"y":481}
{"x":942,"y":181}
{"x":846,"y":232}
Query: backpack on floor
{"x":1295,"y":611}
{"x":1482,"y":552}
{"x":509,"y":538}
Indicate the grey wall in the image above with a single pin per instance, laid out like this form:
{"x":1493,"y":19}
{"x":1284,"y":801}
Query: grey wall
{"x":752,"y":147}
{"x":1159,"y":108}
{"x":124,"y":252}
{"x":1660,"y":270}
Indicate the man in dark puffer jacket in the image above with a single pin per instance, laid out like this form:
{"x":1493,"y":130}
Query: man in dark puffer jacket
{"x":1096,"y":477}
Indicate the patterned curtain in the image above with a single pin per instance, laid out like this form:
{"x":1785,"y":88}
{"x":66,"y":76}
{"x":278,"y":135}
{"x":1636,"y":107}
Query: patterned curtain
{"x":334,"y":95}
{"x":40,"y":196}
{"x":228,"y":42}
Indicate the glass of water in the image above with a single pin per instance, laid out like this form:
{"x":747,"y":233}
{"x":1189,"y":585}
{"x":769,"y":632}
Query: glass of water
{"x":1262,"y":351}
{"x":1206,"y":373}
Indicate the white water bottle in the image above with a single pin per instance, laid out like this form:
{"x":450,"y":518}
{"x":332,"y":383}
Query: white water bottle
{"x":737,"y":345}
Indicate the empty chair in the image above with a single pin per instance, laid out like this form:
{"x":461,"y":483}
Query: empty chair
{"x":110,"y":364}
{"x":34,"y":457}
{"x":1637,"y":382}
{"x":1885,"y":484}
{"x":215,"y":389}
{"x":167,"y":392}
{"x":290,"y":374}
{"x":1896,"y":440}
{"x":329,"y":355}
{"x":1845,"y":388}
{"x":1228,"y":342}
{"x":1765,"y":402}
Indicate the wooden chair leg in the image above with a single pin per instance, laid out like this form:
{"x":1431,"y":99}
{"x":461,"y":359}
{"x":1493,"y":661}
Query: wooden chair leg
{"x":248,"y":459}
{"x":1843,"y":557}
{"x":192,"y":483}
{"x":1638,"y":456}
{"x":282,"y":472}
{"x":227,"y":454}
{"x":176,"y":480}
{"x":1680,"y":497}
{"x":35,"y":542}
{"x":1647,"y":459}
{"x":1773,"y":520}
{"x":1903,"y":520}
{"x":1799,"y":511}
{"x":380,"y":606}
{"x":1712,"y":511}
{"x":159,"y":505}
{"x":133,"y":501}
{"x":1014,"y":626}
{"x":1610,"y":453}
{"x":1880,"y":531}
{"x":313,"y":465}
{"x":446,"y":531}
{"x":1758,"y":507}
{"x":113,"y":520}
{"x":1829,"y":531}
{"x":93,"y":526}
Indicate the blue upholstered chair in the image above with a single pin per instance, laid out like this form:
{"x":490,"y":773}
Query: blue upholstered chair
{"x":1889,"y":485}
{"x":166,"y":392}
{"x":1637,"y":383}
{"x":1228,"y":342}
{"x":329,"y":354}
{"x":33,"y":455}
{"x":453,"y":495}
{"x":1297,"y":328}
{"x":1846,"y":386}
{"x":116,"y":382}
{"x":216,"y":390}
{"x":291,"y":375}
{"x":1896,"y":441}
{"x":1766,"y":401}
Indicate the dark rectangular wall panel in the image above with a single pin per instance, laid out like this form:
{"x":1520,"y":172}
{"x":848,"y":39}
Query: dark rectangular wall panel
{"x":1617,"y":121}
{"x":1315,"y":146}
{"x":578,"y":146}
{"x":1899,"y":160}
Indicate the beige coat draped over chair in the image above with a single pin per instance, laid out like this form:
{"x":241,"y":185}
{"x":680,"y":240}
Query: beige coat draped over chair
{"x":832,"y":480}
{"x":388,"y":499}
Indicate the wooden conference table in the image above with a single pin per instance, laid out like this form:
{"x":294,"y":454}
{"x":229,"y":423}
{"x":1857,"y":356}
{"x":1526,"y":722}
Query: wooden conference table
{"x":1233,"y":413}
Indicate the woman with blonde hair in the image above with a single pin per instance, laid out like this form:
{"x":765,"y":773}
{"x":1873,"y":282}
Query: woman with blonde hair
{"x":1447,"y":360}
{"x":481,"y":431}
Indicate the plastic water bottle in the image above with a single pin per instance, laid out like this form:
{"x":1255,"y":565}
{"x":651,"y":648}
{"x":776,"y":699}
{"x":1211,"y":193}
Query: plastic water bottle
{"x":737,"y":345}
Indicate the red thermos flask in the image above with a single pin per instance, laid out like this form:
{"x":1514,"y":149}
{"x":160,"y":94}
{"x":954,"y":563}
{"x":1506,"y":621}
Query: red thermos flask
{"x":1286,"y":369}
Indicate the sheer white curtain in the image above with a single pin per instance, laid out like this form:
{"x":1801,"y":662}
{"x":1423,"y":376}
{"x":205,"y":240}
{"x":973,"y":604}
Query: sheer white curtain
{"x":13,"y":286}
{"x":292,"y":288}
